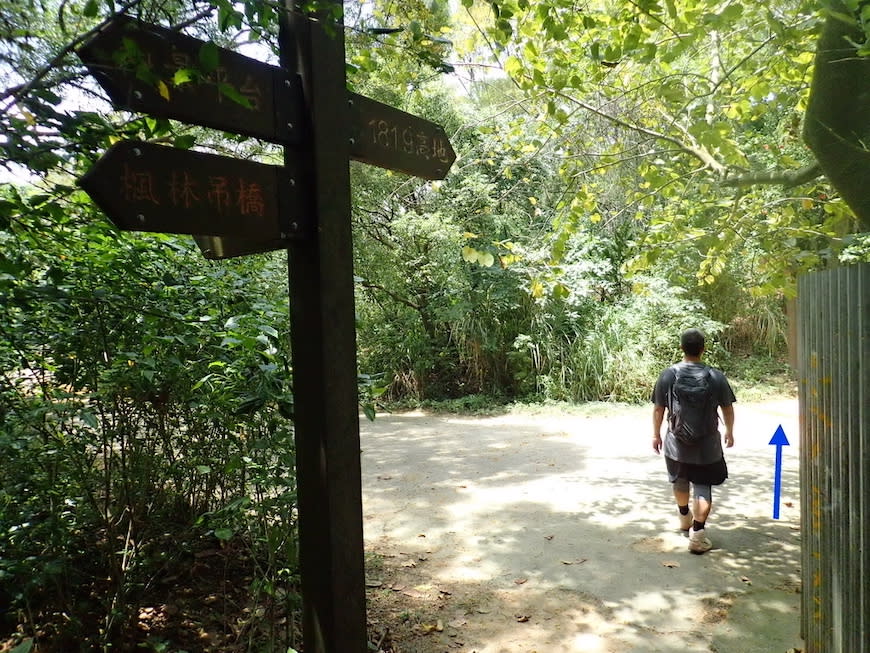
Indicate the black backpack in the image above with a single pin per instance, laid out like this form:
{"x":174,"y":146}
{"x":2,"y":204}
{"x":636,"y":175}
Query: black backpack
{"x":691,"y":404}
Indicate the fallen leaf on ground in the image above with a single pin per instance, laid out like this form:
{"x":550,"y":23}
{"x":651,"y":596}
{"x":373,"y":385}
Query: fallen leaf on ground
{"x":520,"y":581}
{"x":414,"y":594}
{"x":670,"y":564}
{"x":549,"y":537}
{"x":457,"y":623}
{"x":578,"y":561}
{"x":522,"y":618}
{"x":373,"y":583}
{"x":746,"y":580}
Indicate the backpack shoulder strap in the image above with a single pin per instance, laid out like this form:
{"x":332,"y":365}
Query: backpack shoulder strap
{"x":676,"y":372}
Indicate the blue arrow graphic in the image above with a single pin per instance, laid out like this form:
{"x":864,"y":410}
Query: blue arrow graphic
{"x":780,"y":441}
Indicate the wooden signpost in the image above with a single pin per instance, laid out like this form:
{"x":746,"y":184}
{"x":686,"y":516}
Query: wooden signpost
{"x":138,"y":65}
{"x":390,"y":138}
{"x":145,"y":187}
{"x":238,"y":207}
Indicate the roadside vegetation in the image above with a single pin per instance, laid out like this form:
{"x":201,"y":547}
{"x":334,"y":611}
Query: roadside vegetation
{"x":147,"y":494}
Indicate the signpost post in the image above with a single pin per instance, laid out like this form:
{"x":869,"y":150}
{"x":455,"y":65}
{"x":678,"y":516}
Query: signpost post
{"x":235,"y":207}
{"x":323,"y":338}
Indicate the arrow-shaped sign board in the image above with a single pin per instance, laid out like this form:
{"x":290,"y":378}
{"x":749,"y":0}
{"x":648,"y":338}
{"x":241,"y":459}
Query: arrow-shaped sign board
{"x":158,"y":71}
{"x":139,"y":65}
{"x":217,"y":247}
{"x":390,"y":138}
{"x":146,"y":187}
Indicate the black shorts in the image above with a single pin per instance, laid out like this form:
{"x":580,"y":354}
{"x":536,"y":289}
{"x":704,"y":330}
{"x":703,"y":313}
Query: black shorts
{"x":712,"y":474}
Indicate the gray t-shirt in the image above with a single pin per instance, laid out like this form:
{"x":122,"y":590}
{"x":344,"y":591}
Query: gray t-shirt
{"x":709,"y":449}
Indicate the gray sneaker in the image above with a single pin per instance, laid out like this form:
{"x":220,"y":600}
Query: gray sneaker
{"x":699,"y":542}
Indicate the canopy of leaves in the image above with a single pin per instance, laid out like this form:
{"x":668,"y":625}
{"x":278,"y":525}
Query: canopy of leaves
{"x":685,"y":118}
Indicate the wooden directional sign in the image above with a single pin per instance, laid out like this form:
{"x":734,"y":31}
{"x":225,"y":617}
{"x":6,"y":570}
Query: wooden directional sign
{"x":145,"y":187}
{"x":390,"y":138}
{"x":219,"y":247}
{"x":235,"y":207}
{"x":138,"y":64}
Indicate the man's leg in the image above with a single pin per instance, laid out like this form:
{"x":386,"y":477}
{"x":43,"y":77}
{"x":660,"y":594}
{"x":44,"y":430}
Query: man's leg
{"x":681,"y":495}
{"x":698,"y":540}
{"x":703,"y":503}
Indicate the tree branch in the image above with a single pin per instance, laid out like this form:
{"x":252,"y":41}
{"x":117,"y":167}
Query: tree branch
{"x":194,"y":19}
{"x":655,"y":18}
{"x":18,"y":92}
{"x":401,"y":300}
{"x":786,"y":178}
{"x":698,"y":152}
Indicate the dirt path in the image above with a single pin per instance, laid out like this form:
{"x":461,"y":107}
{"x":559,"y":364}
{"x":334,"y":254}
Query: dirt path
{"x":556,"y":533}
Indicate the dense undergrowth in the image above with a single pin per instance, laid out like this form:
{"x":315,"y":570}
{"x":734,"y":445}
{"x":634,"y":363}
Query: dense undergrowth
{"x":148,"y":494}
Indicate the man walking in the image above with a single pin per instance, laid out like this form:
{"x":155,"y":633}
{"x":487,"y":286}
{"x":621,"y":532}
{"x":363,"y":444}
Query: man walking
{"x":693,"y":393}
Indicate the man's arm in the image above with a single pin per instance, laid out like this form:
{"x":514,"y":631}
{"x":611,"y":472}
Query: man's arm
{"x":658,"y":417}
{"x":728,"y":419}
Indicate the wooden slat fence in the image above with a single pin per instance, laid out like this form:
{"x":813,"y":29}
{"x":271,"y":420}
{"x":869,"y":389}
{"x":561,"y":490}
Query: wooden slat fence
{"x":834,"y":374}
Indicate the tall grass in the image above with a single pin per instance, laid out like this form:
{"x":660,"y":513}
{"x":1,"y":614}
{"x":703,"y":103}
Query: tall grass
{"x":618,"y":349}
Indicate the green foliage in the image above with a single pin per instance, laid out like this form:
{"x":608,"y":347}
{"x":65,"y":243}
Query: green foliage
{"x":492,"y":283}
{"x":665,"y":112}
{"x":857,"y":249}
{"x":145,"y":398}
{"x":618,"y":356}
{"x":603,"y":200}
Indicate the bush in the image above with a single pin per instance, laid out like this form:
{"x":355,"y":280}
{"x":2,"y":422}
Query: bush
{"x":145,"y":419}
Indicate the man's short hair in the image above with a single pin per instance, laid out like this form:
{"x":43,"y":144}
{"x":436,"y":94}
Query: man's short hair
{"x":692,"y":342}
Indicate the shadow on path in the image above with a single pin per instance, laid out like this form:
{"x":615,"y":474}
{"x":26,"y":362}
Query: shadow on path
{"x":558,"y":533}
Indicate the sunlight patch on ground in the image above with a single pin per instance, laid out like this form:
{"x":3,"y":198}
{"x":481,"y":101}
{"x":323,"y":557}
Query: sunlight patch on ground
{"x":588,"y":642}
{"x":570,"y":530}
{"x":556,"y":493}
{"x":659,"y":608}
